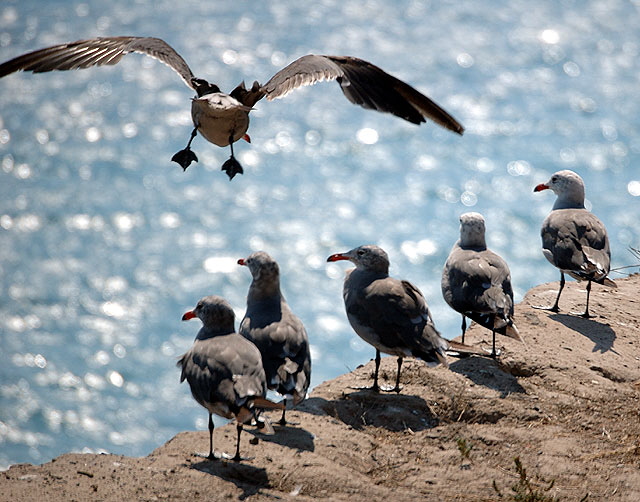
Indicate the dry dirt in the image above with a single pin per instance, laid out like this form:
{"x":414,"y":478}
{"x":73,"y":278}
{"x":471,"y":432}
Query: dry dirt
{"x":567,"y":404}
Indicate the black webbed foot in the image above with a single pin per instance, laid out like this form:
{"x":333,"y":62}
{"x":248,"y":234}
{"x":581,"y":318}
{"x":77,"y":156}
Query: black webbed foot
{"x":232,"y":167}
{"x":185,"y":158}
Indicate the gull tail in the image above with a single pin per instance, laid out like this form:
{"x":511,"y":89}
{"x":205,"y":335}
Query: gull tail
{"x":512,"y":332}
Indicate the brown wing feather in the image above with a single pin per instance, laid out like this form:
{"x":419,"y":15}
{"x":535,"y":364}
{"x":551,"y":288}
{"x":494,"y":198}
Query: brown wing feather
{"x":363,"y":84}
{"x":97,"y":52}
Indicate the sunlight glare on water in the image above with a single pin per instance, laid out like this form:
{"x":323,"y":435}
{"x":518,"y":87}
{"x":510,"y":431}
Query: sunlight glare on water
{"x":105,"y":243}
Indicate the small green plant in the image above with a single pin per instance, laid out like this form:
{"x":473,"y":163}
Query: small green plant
{"x":523,"y":490}
{"x":464,"y":447}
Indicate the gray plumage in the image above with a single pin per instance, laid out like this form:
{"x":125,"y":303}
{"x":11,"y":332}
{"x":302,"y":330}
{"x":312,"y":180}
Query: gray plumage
{"x":97,"y":52}
{"x":363,"y":84}
{"x":279,"y":335}
{"x":224,"y":370}
{"x":390,"y":314}
{"x":573,"y":239}
{"x":476,"y":282}
{"x":224,"y":118}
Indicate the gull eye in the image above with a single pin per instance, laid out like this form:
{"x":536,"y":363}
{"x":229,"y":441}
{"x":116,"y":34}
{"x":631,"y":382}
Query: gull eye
{"x":360,"y":252}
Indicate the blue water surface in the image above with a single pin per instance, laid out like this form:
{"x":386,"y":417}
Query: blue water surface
{"x":105,"y":243}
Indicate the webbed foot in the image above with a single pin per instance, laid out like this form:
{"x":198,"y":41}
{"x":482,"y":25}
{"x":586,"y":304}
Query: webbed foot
{"x":185,"y":158}
{"x":584,"y":315}
{"x":232,"y":167}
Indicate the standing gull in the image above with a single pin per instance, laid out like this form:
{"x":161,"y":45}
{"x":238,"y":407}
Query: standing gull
{"x":276,"y":331}
{"x":223,"y":119}
{"x":574,"y":239}
{"x":477,"y":283}
{"x":390,"y":314}
{"x":224,"y":369}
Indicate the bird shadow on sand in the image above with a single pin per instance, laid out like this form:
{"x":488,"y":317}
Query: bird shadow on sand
{"x":388,"y":410}
{"x":488,"y":373}
{"x":248,"y":478}
{"x":290,"y":436}
{"x":602,"y":335}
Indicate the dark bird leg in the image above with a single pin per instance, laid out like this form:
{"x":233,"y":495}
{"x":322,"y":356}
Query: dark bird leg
{"x":232,"y":166}
{"x":585,"y":314}
{"x":464,"y":326}
{"x":186,"y":156}
{"x":386,"y":388}
{"x":211,"y":455}
{"x":397,"y":387}
{"x":237,"y":456}
{"x":493,"y":346}
{"x":555,"y":307}
{"x":283,"y":421}
{"x":376,"y":387}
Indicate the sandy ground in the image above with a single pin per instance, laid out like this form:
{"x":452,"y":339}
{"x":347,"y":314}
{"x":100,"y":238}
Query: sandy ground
{"x":566,"y":404}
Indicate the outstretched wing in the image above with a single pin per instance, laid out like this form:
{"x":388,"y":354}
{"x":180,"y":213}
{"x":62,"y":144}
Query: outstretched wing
{"x":363,"y":84}
{"x":97,"y":52}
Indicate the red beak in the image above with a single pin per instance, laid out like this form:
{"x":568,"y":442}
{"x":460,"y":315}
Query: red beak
{"x":246,"y":138}
{"x":241,"y":261}
{"x":189,"y":315}
{"x":337,"y":257}
{"x":541,"y":187}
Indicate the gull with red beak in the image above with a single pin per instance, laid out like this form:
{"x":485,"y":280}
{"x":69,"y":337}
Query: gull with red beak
{"x":390,"y":314}
{"x":222,"y":118}
{"x":279,"y":335}
{"x":224,"y":369}
{"x":574,"y":239}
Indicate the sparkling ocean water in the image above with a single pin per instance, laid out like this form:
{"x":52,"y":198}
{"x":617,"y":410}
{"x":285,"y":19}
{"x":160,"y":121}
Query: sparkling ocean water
{"x":105,"y":243}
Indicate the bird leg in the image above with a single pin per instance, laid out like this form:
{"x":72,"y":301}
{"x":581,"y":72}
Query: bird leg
{"x":186,"y":156}
{"x":386,"y":388}
{"x":585,"y":314}
{"x":211,"y":455}
{"x":493,"y":346}
{"x":555,"y":307}
{"x":282,"y":420}
{"x":397,"y":387}
{"x":237,"y":456}
{"x":376,"y":387}
{"x":232,"y":166}
{"x":464,"y":326}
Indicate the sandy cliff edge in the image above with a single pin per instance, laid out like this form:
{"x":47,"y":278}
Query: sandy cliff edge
{"x":566,"y":403}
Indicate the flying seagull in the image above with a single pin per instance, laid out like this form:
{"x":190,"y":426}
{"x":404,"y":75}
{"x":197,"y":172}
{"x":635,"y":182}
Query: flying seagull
{"x":477,"y":282}
{"x":224,"y":369}
{"x":222,"y":118}
{"x":574,"y":239}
